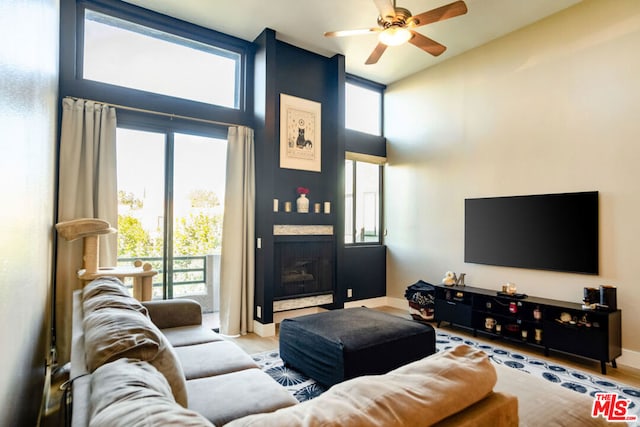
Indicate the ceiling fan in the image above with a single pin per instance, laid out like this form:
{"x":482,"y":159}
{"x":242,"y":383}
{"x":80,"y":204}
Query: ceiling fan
{"x":396,"y":26}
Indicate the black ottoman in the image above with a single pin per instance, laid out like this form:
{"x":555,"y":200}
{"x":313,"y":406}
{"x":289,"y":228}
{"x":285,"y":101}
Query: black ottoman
{"x":333,"y":346}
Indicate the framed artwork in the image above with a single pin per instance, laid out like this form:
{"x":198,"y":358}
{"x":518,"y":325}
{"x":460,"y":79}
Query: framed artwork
{"x":300,"y":139}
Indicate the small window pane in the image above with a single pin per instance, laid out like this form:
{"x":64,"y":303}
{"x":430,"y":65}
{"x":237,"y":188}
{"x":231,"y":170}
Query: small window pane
{"x":362,"y":202}
{"x":367,"y":202}
{"x":363,"y":109}
{"x":198,"y":209}
{"x":141,"y":199}
{"x":125,"y":54}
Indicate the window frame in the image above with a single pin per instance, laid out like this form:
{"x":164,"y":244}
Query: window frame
{"x":354,"y":180}
{"x":364,"y":147}
{"x":71,"y":60}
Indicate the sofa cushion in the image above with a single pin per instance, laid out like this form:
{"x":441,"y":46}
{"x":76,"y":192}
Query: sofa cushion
{"x":223,"y":398}
{"x":214,"y":358}
{"x":190,"y":335}
{"x":418,"y":394}
{"x":495,"y":410}
{"x":128,"y":392}
{"x":111,"y":333}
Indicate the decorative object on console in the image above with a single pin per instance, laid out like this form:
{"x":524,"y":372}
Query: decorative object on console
{"x":537,"y":313}
{"x":327,"y":207}
{"x":287,"y":206}
{"x":489,"y":323}
{"x":275,"y":205}
{"x":460,"y":279}
{"x":450,"y":278}
{"x":590,"y":298}
{"x":302,"y":203}
{"x":608,"y":297}
{"x":538,"y":335}
{"x":300,"y":126}
{"x":316,"y":208}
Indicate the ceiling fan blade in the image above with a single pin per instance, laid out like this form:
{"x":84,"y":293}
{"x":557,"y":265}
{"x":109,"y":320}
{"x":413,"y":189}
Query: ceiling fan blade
{"x":376,"y":54}
{"x":440,"y":14}
{"x":426,"y":44}
{"x":386,"y":9}
{"x":344,"y":33}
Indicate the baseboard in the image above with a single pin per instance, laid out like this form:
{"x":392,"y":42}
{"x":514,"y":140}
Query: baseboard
{"x":629,"y":358}
{"x":371,"y":302}
{"x":279,"y":316}
{"x":379,"y":302}
{"x":269,"y":329}
{"x":400,"y":303}
{"x":264,"y":330}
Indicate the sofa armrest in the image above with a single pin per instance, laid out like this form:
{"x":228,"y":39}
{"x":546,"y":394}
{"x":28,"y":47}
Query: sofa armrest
{"x":174,"y":313}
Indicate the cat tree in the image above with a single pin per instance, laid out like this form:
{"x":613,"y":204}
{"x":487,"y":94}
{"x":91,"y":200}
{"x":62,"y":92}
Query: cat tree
{"x":90,"y":229}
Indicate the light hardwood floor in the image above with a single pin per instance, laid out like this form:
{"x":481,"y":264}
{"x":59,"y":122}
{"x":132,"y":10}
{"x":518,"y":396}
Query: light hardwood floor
{"x":252,"y":343}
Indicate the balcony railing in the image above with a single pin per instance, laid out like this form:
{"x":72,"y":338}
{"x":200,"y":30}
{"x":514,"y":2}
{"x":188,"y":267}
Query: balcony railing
{"x":194,"y":277}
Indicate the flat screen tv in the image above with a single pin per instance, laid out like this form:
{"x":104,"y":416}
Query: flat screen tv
{"x":556,"y":232}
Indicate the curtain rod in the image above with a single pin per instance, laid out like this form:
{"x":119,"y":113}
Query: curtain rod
{"x":158,"y":113}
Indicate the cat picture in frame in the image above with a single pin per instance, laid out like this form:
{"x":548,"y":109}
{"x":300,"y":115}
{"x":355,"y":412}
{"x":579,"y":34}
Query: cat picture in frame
{"x":300,"y":136}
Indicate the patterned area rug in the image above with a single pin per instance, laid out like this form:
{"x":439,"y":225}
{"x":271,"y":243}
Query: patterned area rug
{"x":300,"y":386}
{"x":304,"y":388}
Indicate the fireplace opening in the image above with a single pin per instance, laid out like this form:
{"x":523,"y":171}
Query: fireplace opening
{"x":303,"y":268}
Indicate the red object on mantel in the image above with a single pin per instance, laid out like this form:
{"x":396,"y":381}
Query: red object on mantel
{"x":303,"y":190}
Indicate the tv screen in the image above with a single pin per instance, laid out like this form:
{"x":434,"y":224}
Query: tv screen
{"x":546,"y":232}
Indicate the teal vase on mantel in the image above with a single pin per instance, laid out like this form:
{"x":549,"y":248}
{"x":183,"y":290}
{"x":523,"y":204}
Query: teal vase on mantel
{"x":302,"y":204}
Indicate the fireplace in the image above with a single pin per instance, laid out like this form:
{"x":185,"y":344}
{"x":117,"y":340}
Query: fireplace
{"x":303,"y":266}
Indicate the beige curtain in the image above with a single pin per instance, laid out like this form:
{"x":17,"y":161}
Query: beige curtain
{"x":237,"y":270}
{"x":86,"y":189}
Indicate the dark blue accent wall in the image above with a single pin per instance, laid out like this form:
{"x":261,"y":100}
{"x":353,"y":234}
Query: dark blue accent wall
{"x":283,"y":68}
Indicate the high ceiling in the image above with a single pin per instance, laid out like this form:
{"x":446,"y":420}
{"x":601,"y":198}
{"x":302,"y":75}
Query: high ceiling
{"x":303,"y":22}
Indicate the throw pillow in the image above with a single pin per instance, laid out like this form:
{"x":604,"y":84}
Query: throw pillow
{"x":104,"y":285}
{"x":129,"y":392}
{"x":112,"y":333}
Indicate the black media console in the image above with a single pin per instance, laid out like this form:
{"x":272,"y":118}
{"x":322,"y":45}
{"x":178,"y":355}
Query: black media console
{"x":538,"y":322}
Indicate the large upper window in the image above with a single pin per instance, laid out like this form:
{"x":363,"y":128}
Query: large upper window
{"x":363,"y":109}
{"x":130,"y":55}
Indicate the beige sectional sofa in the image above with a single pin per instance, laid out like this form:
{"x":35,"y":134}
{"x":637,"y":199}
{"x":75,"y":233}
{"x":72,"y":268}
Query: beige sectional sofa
{"x":154,"y":364}
{"x":210,"y":380}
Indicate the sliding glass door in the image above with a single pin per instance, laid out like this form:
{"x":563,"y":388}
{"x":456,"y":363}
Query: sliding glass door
{"x":170,"y":208}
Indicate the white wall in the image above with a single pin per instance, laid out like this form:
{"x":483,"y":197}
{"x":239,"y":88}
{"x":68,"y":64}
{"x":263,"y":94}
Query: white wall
{"x":28,"y":120}
{"x":554,"y":107}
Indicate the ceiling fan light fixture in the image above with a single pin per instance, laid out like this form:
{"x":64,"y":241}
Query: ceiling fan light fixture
{"x":394,"y":36}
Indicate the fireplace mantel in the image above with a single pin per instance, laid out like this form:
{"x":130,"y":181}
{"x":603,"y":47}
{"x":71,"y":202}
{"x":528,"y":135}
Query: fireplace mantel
{"x":302,"y":230}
